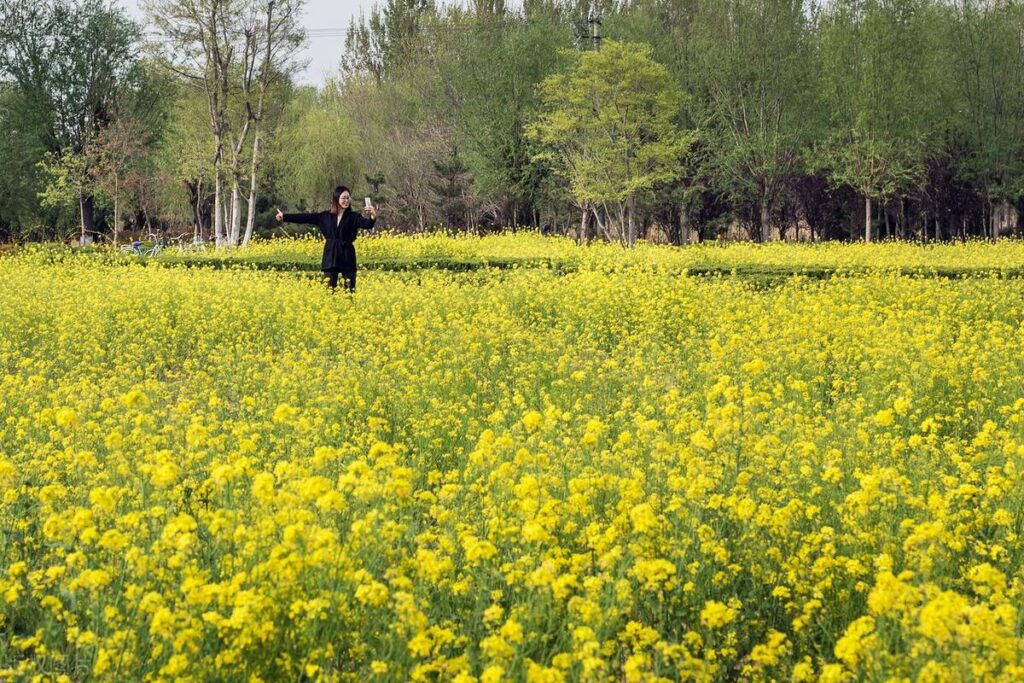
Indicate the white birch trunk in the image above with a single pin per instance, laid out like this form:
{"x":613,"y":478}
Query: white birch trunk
{"x":867,"y":218}
{"x":236,"y":210}
{"x":218,"y":215}
{"x":250,"y":219}
{"x":198,"y":233}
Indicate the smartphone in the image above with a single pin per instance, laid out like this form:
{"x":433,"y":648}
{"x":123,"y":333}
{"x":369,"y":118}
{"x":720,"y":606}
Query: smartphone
{"x":366,"y":201}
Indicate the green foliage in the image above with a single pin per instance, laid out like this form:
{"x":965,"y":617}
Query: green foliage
{"x":609,"y":123}
{"x":72,"y":68}
{"x":754,"y":90}
{"x":21,"y":147}
{"x":833,"y":116}
{"x":67,"y":181}
{"x":490,"y":65}
{"x":314,"y":150}
{"x":989,"y":74}
{"x":386,"y":41}
{"x":878,"y":61}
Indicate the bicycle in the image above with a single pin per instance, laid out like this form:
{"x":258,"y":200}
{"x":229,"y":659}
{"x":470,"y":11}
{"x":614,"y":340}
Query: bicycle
{"x":196,"y":245}
{"x":136,"y":247}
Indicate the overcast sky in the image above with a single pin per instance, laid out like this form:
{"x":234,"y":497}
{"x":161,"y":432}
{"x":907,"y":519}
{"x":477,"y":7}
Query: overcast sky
{"x":323,"y":53}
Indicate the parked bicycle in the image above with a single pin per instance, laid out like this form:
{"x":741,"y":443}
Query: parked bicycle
{"x":152,"y":246}
{"x":196,"y":245}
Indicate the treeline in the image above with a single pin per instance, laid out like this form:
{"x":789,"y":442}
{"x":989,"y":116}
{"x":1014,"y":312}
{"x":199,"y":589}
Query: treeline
{"x":664,"y":119}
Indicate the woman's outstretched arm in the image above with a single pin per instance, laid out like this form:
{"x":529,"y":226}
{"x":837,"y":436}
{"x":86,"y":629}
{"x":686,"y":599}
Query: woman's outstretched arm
{"x":304,"y":218}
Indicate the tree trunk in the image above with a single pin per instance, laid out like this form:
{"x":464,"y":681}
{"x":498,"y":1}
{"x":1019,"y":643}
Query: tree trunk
{"x":81,"y":219}
{"x":684,"y":223}
{"x":888,"y":230}
{"x":236,"y":210}
{"x":218,"y":214}
{"x":903,"y":218}
{"x":199,"y":210}
{"x":867,"y":218}
{"x":765,"y":220}
{"x":631,"y":221}
{"x":601,"y":224}
{"x":584,"y":238}
{"x":117,"y":212}
{"x":250,"y":220}
{"x":622,"y":227}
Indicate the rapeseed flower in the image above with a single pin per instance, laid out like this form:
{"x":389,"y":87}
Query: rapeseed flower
{"x":553,"y":475}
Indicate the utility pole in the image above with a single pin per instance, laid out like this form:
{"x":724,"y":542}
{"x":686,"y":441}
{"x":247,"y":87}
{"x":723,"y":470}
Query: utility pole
{"x":595,"y":20}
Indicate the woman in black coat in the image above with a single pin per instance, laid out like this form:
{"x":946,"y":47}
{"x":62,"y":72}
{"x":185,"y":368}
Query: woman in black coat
{"x":339,"y":227}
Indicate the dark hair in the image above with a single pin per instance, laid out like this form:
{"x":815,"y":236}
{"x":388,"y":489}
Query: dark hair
{"x":335,"y":205}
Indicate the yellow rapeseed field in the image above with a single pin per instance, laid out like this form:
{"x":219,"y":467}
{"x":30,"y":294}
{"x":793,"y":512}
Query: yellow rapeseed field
{"x":887,"y":256}
{"x":612,"y":474}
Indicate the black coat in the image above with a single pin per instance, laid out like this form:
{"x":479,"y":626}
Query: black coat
{"x":339,"y":253}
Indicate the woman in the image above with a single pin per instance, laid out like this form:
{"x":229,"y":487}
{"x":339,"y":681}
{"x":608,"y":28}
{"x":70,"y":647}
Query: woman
{"x":339,"y":227}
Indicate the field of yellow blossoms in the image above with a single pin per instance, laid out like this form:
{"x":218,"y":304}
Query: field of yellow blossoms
{"x":611,"y":474}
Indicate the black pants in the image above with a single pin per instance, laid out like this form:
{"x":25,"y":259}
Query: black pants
{"x":332,"y":279}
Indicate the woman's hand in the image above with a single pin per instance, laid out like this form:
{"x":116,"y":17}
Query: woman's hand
{"x":279,"y":216}
{"x":372,"y":210}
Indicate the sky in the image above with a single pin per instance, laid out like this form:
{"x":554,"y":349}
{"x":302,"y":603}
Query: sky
{"x":323,"y":53}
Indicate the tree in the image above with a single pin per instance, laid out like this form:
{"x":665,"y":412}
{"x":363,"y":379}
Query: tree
{"x":309,"y":159}
{"x":274,"y":44}
{"x":21,"y":147}
{"x":989,"y":72}
{"x":490,"y":65}
{"x":384,"y":43}
{"x":116,"y":152}
{"x":451,"y":190}
{"x":235,"y":51}
{"x":609,"y":124}
{"x":876,"y":66}
{"x":74,"y":65}
{"x":186,"y":161}
{"x":755,"y":86}
{"x":68,"y":180}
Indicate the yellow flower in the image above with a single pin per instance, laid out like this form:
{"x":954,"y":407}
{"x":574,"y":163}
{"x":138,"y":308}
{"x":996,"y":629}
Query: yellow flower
{"x":136,"y":398}
{"x":858,"y":640}
{"x":284,"y":414}
{"x":492,"y":674}
{"x":942,"y":615}
{"x":66,"y":417}
{"x":700,"y":439}
{"x":512,"y":631}
{"x":161,"y":625}
{"x":643,"y":518}
{"x":891,"y":594}
{"x":263,"y":487}
{"x":373,"y":593}
{"x":420,"y":645}
{"x":884,"y":418}
{"x":165,"y":475}
{"x":493,"y":614}
{"x":535,"y":673}
{"x":653,"y":573}
{"x":717,"y":614}
{"x":532,"y":420}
